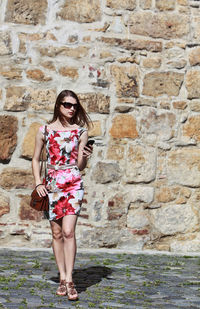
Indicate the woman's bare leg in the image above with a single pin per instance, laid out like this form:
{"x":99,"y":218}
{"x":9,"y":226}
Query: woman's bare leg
{"x":58,"y":246}
{"x":68,"y":230}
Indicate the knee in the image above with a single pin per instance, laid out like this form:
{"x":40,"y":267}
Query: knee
{"x":57,"y":235}
{"x":67,"y":234}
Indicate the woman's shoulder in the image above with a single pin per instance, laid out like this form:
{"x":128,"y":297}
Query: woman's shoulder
{"x":42,"y":128}
{"x":82,"y":129}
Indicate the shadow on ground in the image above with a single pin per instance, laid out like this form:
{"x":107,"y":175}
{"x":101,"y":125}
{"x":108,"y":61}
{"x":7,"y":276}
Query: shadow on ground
{"x":86,"y":277}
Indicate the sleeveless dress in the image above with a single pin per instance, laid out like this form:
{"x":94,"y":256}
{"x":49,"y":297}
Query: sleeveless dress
{"x":65,"y":187}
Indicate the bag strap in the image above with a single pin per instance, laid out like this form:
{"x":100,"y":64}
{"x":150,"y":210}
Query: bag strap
{"x":42,"y":153}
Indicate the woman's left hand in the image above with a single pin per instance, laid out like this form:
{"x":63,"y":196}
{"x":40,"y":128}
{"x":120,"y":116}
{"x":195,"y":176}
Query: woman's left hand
{"x":87,"y":151}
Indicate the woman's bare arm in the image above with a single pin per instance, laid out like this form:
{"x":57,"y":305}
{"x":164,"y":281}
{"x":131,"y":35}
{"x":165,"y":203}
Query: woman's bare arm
{"x":83,"y":152}
{"x":39,"y":142}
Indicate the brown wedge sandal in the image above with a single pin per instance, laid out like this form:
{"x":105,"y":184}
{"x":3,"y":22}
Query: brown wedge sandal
{"x":71,"y":291}
{"x":62,"y":289}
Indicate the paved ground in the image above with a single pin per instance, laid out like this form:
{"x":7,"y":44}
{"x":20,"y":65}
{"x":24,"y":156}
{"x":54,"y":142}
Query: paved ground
{"x":28,"y":279}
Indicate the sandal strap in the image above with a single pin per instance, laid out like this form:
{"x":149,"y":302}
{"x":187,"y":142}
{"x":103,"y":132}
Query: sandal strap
{"x":71,"y":288}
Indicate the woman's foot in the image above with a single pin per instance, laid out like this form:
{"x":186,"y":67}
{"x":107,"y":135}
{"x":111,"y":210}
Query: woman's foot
{"x":71,"y":291}
{"x":62,"y":290}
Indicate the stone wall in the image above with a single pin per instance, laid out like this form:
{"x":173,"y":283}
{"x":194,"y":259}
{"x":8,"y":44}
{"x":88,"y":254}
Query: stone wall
{"x":136,"y":67}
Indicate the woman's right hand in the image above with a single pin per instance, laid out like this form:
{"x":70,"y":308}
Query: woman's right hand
{"x":41,"y":190}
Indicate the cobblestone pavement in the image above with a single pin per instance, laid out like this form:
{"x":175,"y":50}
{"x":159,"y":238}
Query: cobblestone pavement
{"x":28,"y":279}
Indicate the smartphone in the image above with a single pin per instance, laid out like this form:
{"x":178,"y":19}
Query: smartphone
{"x":90,"y":142}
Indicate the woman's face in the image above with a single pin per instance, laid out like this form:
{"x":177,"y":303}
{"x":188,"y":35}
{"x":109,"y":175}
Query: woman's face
{"x":68,"y":107}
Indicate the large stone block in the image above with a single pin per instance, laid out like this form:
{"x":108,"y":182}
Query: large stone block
{"x":183,"y":167}
{"x":165,"y":5}
{"x":42,"y":99}
{"x":81,"y":11}
{"x":194,"y":56}
{"x":140,"y":164}
{"x":160,"y":123}
{"x":192,"y":84}
{"x":17,"y":99}
{"x":5,"y":44}
{"x":121,"y":5}
{"x":159,"y":25}
{"x":172,"y":219}
{"x":106,"y":172}
{"x":132,"y":45}
{"x":4,"y":204}
{"x":29,"y":141}
{"x":70,"y":72}
{"x":52,"y":51}
{"x":191,"y":128}
{"x":137,"y":219}
{"x":96,"y":129}
{"x":145,"y":4}
{"x":10,"y":72}
{"x":115,"y":152}
{"x":15,"y":178}
{"x":141,"y":194}
{"x":126,"y":80}
{"x":8,"y":141}
{"x":37,"y":75}
{"x":30,"y":12}
{"x":95,"y":102}
{"x":159,"y":83}
{"x":124,"y":126}
{"x":26,"y":212}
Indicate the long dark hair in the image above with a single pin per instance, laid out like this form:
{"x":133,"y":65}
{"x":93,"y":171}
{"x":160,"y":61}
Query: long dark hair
{"x":80,"y":118}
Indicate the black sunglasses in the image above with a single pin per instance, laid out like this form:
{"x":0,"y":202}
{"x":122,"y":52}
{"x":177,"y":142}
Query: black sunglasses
{"x":69,"y":105}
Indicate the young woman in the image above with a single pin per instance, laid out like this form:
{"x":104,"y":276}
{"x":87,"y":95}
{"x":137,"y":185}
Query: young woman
{"x":67,"y":155}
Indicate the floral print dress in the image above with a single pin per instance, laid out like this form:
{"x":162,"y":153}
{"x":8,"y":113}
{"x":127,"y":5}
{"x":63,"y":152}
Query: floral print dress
{"x":65,"y":187}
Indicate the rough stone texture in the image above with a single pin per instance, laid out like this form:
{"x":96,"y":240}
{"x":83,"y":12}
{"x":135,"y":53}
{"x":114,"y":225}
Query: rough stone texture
{"x":192,"y":84}
{"x":140,"y":164}
{"x":160,"y":25}
{"x":192,"y":128}
{"x":17,"y":99}
{"x":152,"y":63}
{"x":137,"y":219}
{"x":29,"y":141}
{"x":124,"y":126}
{"x":51,"y":51}
{"x":29,"y":12}
{"x":16,"y":178}
{"x":95,"y":102}
{"x":194,"y":56}
{"x":183,"y":167}
{"x":172,"y":219}
{"x":132,"y":45}
{"x":42,"y":99}
{"x":117,"y":208}
{"x":115,"y":152}
{"x":8,"y":142}
{"x":37,"y":75}
{"x":145,"y":4}
{"x":69,"y":72}
{"x":142,"y":194}
{"x":165,"y":5}
{"x":126,"y":4}
{"x":156,"y":84}
{"x":4,"y":204}
{"x":106,"y":172}
{"x":5,"y":44}
{"x":95,"y":130}
{"x":126,"y":80}
{"x":161,"y":124}
{"x":83,"y":11}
